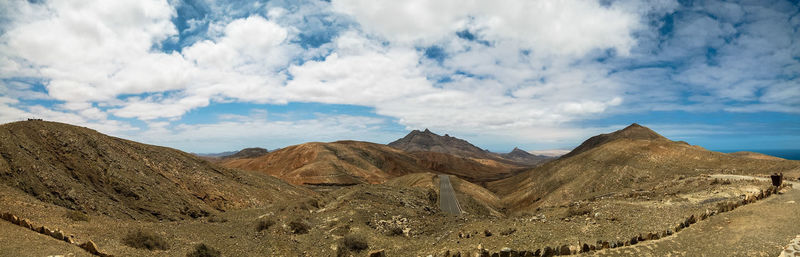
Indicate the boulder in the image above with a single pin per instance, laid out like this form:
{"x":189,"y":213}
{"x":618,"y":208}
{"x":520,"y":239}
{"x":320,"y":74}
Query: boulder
{"x":548,"y":252}
{"x":25,"y":224}
{"x":377,"y":253}
{"x":605,"y":245}
{"x":585,"y":248}
{"x":564,"y":250}
{"x":634,"y":240}
{"x":90,"y":247}
{"x":505,"y":252}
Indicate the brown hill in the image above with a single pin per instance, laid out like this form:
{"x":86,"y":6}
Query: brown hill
{"x":632,"y":132}
{"x":472,"y":169}
{"x":628,"y":159}
{"x":754,"y":155}
{"x":431,"y":142}
{"x":520,"y":156}
{"x":247,"y":153}
{"x":473,"y":198}
{"x":342,"y":162}
{"x":81,"y":169}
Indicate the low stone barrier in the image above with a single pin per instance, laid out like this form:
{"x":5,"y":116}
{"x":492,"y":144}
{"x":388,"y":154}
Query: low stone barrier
{"x":88,"y":246}
{"x":649,"y":236}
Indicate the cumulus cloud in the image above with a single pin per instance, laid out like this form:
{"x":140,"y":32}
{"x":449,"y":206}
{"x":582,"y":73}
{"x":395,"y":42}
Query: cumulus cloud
{"x":510,"y":69}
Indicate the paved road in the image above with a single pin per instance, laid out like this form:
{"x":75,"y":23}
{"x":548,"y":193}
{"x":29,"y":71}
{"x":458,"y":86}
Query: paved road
{"x":447,"y":196}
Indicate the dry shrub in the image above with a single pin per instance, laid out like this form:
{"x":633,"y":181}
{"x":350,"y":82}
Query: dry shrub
{"x":355,"y":243}
{"x":77,"y":216}
{"x":203,"y":250}
{"x":217,"y":219}
{"x":264,"y":224}
{"x":145,"y":240}
{"x":578,"y":211}
{"x":299,"y":227}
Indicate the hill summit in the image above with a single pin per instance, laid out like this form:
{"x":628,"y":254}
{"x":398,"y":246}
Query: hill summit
{"x":81,"y":169}
{"x":431,"y":142}
{"x":248,"y":153}
{"x":632,"y":132}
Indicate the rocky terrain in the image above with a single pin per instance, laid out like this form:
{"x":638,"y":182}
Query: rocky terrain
{"x":633,"y":158}
{"x":252,"y":152}
{"x":521,"y":156}
{"x":80,"y":169}
{"x":632,"y":193}
{"x":337,"y":163}
{"x":427,"y":141}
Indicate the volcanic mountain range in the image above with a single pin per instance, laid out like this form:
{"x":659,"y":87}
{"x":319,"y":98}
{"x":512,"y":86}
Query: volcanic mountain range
{"x":81,"y":169}
{"x":354,"y":162}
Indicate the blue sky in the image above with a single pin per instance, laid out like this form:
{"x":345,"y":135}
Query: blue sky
{"x":212,"y":76}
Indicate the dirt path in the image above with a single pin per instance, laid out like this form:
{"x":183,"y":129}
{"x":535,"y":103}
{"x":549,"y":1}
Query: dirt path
{"x":758,"y":229}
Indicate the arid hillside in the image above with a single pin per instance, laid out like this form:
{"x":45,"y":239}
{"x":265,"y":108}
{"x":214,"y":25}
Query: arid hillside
{"x":337,"y":163}
{"x":472,"y":169}
{"x":628,"y":159}
{"x":473,"y":198}
{"x":81,"y":169}
{"x":252,"y":152}
{"x":427,"y":141}
{"x":451,"y":155}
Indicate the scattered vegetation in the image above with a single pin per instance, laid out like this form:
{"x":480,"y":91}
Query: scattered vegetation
{"x":264,"y":224}
{"x":145,"y":240}
{"x":354,"y":242}
{"x":578,"y":211}
{"x":508,"y":231}
{"x":394,"y":231}
{"x":299,"y":226}
{"x":77,"y":216}
{"x":217,"y":219}
{"x":717,"y":181}
{"x":203,"y":250}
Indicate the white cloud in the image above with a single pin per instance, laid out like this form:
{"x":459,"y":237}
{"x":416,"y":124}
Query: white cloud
{"x":572,"y":27}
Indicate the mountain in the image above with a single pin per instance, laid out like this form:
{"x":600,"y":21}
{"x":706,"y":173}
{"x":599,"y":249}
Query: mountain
{"x":628,"y":159}
{"x":632,"y":132}
{"x":520,"y":156}
{"x":81,"y":169}
{"x":215,"y":155}
{"x":472,"y":169}
{"x":550,"y":153}
{"x":247,"y":153}
{"x":431,"y":142}
{"x":341,"y":163}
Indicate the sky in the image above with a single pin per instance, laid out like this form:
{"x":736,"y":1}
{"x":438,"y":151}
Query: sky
{"x":212,"y":76}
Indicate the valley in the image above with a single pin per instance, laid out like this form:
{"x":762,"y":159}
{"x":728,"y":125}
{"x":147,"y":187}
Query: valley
{"x":625,"y":193}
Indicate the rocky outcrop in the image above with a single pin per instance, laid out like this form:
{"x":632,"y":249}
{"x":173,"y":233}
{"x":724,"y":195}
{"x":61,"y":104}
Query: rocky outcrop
{"x":89,"y":246}
{"x":792,"y":249}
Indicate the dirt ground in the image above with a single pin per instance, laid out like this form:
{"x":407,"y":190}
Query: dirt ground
{"x":760,"y":228}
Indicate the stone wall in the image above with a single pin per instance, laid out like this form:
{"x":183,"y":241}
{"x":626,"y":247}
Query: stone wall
{"x":89,"y":246}
{"x":601,"y":244}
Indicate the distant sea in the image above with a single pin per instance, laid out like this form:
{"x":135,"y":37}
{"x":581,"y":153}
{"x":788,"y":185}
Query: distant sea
{"x":789,"y":154}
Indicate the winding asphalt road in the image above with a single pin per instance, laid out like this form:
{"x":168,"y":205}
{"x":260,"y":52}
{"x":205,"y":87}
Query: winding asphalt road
{"x":447,"y":196}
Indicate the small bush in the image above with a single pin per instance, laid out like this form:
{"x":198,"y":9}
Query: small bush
{"x":508,"y":231}
{"x":578,"y":211}
{"x":145,"y":240}
{"x":299,"y":227}
{"x":202,"y":250}
{"x":264,"y":225}
{"x":77,"y":216}
{"x":217,"y":219}
{"x":394,"y":231}
{"x":355,"y":243}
